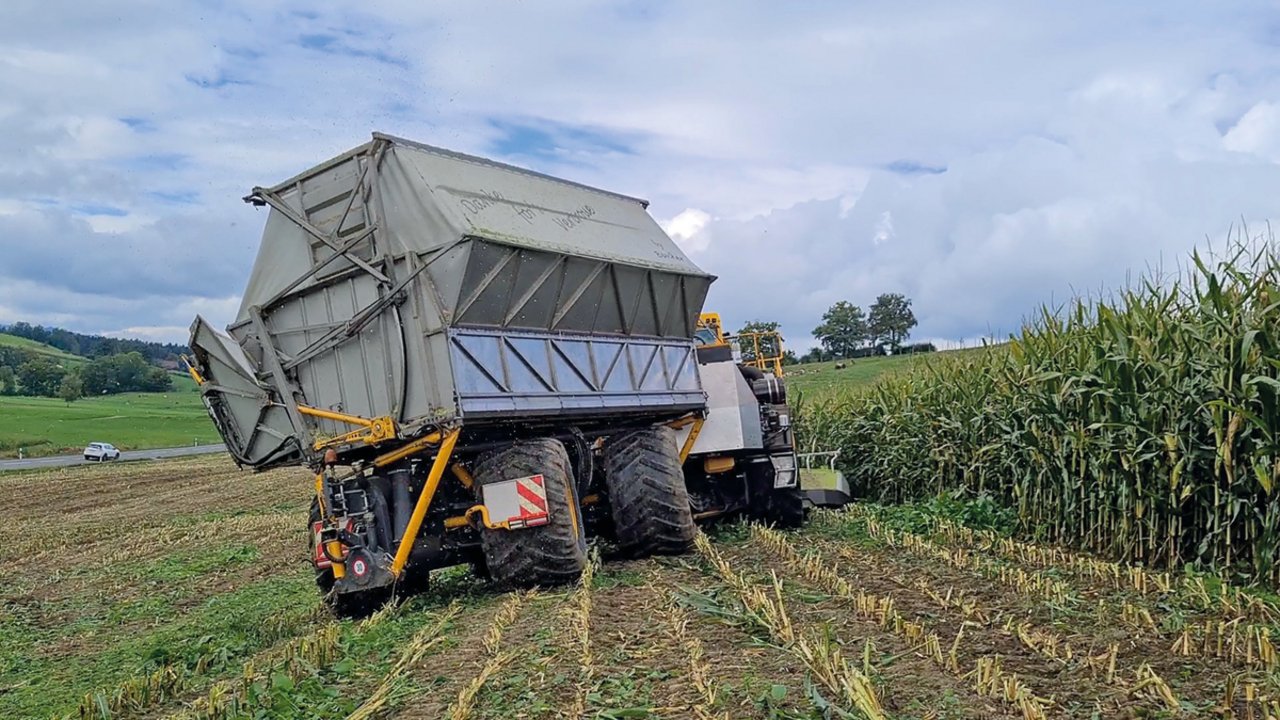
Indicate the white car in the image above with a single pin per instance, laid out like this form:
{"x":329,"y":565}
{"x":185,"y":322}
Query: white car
{"x":101,"y":451}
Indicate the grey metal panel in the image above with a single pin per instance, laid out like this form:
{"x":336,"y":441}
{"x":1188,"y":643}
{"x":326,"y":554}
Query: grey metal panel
{"x":513,"y":287}
{"x":543,"y":373}
{"x":733,"y":415}
{"x":429,"y":197}
{"x":382,"y":271}
{"x":248,"y":415}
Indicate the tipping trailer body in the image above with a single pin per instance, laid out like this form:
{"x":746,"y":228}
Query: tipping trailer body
{"x":404,"y":281}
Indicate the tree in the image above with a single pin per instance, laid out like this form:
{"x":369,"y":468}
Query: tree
{"x":71,"y":389}
{"x":789,"y":358}
{"x":128,"y":372}
{"x":813,"y":356}
{"x":38,"y":376}
{"x":891,"y":319}
{"x":8,"y":381}
{"x":843,"y":329}
{"x":769,"y":344}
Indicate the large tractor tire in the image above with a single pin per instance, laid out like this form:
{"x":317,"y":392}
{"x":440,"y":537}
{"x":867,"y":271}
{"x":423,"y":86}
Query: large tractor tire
{"x":647,"y":495}
{"x":344,"y":605}
{"x":551,"y":554}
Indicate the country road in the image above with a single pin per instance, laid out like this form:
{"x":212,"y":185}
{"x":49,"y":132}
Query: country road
{"x":125,"y":456}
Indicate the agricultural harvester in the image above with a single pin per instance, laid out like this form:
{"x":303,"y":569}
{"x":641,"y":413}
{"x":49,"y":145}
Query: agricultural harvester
{"x":482,"y":365}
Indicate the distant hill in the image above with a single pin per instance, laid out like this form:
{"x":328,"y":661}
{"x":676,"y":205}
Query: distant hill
{"x":92,"y":346}
{"x":38,"y":348}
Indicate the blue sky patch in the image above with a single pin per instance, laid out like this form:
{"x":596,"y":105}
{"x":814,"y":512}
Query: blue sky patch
{"x":157,"y":161}
{"x":97,"y":209}
{"x":138,"y":124}
{"x":911,"y":167}
{"x":547,"y":140}
{"x":215,"y":81}
{"x":333,"y":45}
{"x":176,"y":197}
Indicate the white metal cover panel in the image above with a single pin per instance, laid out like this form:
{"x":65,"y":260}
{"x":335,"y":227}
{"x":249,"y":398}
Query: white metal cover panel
{"x":733,"y":416}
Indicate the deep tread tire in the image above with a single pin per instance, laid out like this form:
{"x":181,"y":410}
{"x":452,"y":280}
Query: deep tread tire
{"x":647,"y":495}
{"x":551,"y":554}
{"x":344,"y":605}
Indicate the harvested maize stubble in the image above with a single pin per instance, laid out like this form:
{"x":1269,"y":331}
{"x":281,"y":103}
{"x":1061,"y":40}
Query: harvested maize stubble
{"x":881,"y":610}
{"x":767,"y":610}
{"x":422,"y":641}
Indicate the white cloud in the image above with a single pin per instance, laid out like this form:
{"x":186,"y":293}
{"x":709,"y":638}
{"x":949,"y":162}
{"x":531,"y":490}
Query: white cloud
{"x":686,"y":230}
{"x":1078,"y":141}
{"x":1257,"y":132}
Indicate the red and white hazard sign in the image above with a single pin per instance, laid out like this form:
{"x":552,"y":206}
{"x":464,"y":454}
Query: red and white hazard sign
{"x":521,"y":502}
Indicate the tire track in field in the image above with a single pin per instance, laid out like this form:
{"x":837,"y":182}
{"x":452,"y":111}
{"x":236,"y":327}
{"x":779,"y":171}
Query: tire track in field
{"x":911,"y":683}
{"x":438,"y":679}
{"x":1140,"y":655}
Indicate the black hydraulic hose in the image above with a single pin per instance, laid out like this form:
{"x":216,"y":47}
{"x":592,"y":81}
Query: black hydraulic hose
{"x":379,"y":494}
{"x":585,"y":466}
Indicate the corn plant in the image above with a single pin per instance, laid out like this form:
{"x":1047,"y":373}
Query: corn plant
{"x":1144,"y":426}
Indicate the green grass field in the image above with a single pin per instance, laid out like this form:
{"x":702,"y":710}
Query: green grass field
{"x":32,"y":346}
{"x":815,"y":379}
{"x":130,"y":421}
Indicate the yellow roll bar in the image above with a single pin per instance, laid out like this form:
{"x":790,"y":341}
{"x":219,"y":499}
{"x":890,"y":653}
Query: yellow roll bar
{"x":424,"y":500}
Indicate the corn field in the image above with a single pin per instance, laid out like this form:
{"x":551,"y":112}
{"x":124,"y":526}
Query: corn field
{"x":1141,"y":426}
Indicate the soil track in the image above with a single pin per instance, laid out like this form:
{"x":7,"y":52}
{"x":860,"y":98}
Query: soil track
{"x":181,"y":589}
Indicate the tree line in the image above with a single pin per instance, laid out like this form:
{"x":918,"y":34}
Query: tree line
{"x":27,"y":373}
{"x":93,"y":345}
{"x":846,"y":332}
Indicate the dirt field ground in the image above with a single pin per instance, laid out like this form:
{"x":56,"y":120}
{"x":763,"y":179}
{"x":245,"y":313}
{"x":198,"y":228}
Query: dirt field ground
{"x":181,"y":589}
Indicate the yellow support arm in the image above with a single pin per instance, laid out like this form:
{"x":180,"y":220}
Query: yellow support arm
{"x":693,"y":437}
{"x":191,"y":370}
{"x":443,"y":454}
{"x":374,"y":430}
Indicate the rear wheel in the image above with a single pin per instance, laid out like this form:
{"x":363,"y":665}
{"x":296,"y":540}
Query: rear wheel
{"x":349,"y":604}
{"x":647,"y":495}
{"x":551,"y":554}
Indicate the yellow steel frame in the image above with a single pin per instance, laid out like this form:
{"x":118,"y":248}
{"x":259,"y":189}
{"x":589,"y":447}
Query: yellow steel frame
{"x":771,"y":363}
{"x":372,"y":430}
{"x":693,"y":437}
{"x":443,"y":455}
{"x":409,"y":449}
{"x":334,"y":547}
{"x":711,"y":321}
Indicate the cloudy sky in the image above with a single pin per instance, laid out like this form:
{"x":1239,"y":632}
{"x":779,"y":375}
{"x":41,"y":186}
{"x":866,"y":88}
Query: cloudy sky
{"x":981,"y":158}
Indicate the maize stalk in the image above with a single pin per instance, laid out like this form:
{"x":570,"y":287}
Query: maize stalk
{"x":880,"y":609}
{"x":498,"y":659}
{"x":818,"y":653}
